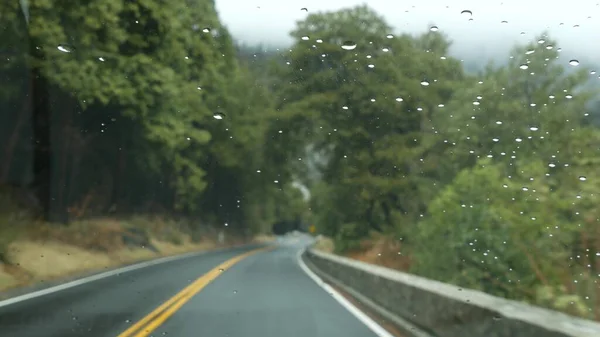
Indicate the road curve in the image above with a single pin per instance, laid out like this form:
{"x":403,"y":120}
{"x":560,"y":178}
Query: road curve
{"x":237,"y":292}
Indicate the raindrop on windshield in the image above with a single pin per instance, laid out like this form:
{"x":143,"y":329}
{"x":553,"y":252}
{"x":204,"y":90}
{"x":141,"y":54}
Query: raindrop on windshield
{"x":424,"y":83}
{"x":534,"y":128}
{"x":304,"y":9}
{"x":305,"y":38}
{"x":219,"y":115}
{"x":65,"y":48}
{"x":467,"y":13}
{"x":206,"y":30}
{"x":574,"y":63}
{"x":389,"y":36}
{"x":101,"y":59}
{"x":348,"y":45}
{"x":524,"y":66}
{"x":434,"y":28}
{"x":582,"y":178}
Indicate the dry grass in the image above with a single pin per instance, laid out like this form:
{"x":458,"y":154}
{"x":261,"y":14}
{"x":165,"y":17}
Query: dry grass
{"x":324,"y":244}
{"x":263,"y":238}
{"x":383,"y":251}
{"x":378,"y":249}
{"x":47,"y":252}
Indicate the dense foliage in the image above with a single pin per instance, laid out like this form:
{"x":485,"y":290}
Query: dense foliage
{"x":487,"y":180}
{"x":143,"y":107}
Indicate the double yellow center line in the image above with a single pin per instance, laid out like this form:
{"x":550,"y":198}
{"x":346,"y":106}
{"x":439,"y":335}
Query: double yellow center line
{"x":158,"y":316}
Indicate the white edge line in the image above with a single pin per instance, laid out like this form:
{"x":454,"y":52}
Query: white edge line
{"x":92,"y":278}
{"x":361,"y":316}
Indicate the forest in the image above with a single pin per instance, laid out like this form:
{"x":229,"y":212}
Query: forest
{"x":485,"y":180}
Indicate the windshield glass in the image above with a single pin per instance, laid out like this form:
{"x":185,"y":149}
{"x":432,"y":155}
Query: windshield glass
{"x":456,"y":142}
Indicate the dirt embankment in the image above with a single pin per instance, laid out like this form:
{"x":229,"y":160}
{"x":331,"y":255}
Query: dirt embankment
{"x":377,"y":249}
{"x":40,"y":252}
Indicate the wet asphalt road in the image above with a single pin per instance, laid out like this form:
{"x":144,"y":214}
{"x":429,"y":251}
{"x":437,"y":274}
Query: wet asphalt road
{"x":266,"y":294}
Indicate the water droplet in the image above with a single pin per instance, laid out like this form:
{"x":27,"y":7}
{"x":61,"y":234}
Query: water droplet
{"x":276,"y":181}
{"x":568,"y":96}
{"x":65,"y":48}
{"x":385,"y":50}
{"x":345,"y":107}
{"x":390,"y":36}
{"x":101,"y":59}
{"x":495,"y":139}
{"x":529,"y":52}
{"x":540,"y":41}
{"x":305,"y":38}
{"x":235,"y":291}
{"x":525,"y":188}
{"x":424,"y":83}
{"x":199,"y":88}
{"x":258,"y":171}
{"x":549,"y":47}
{"x":518,"y":140}
{"x":552,"y":165}
{"x":533,"y":128}
{"x":593,"y":72}
{"x":498,"y":122}
{"x":574,"y":63}
{"x":206,"y":30}
{"x":434,"y":28}
{"x":524,"y":66}
{"x":304,"y":9}
{"x":371,"y":66}
{"x":319,"y":41}
{"x":503,"y":21}
{"x":188,"y":138}
{"x":440,"y":105}
{"x":348,"y":45}
{"x":219,"y":115}
{"x":497,"y":318}
{"x":582,"y":178}
{"x":221,"y":269}
{"x":466,"y":13}
{"x":476,"y":103}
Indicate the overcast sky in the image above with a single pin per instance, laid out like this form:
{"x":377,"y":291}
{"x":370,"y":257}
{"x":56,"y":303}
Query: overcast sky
{"x":575,"y":23}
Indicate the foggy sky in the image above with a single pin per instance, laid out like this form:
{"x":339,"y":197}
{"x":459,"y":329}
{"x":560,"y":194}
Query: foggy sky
{"x":575,"y":24}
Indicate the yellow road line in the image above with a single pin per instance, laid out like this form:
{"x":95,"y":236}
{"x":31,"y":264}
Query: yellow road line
{"x":159,"y":315}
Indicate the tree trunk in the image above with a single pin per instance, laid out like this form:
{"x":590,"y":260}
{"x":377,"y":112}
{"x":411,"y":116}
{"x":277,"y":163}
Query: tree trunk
{"x":67,"y":136}
{"x":41,"y":136}
{"x":14,"y":137}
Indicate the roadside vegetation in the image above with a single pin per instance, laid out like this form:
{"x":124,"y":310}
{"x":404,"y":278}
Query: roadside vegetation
{"x":486,"y":180}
